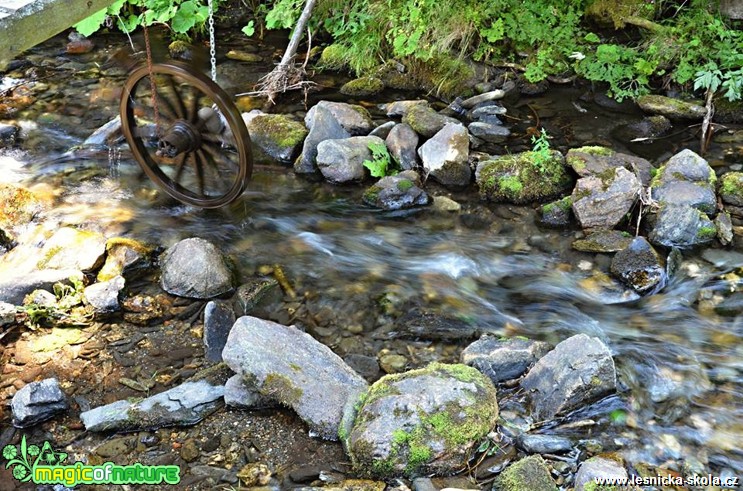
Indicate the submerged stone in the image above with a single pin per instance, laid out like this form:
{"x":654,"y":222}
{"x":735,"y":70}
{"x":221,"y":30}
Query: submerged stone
{"x":640,"y":267}
{"x":671,"y":108}
{"x":503,"y":359}
{"x":577,"y":372}
{"x":397,"y":192}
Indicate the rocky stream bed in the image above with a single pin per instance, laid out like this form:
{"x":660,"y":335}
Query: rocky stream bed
{"x":488,"y":318}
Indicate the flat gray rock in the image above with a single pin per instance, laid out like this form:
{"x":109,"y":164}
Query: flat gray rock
{"x":293,"y":368}
{"x":37,"y":402}
{"x":184,"y":405}
{"x":238,"y":394}
{"x":543,"y":444}
{"x":602,"y":202}
{"x":682,"y":226}
{"x":342,"y":161}
{"x":352,"y":117}
{"x":580,"y":370}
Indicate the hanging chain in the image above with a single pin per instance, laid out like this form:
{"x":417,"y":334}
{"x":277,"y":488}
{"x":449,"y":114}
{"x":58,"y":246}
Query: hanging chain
{"x":212,"y":44}
{"x":153,"y":89}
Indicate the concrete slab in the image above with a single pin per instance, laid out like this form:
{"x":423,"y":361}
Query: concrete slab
{"x":26,"y":23}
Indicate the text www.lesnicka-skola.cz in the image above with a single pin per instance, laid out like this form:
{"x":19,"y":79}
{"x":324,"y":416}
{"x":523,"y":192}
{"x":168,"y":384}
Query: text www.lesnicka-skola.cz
{"x":725,"y":483}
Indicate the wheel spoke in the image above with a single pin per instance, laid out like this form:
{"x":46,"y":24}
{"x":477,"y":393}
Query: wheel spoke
{"x":193,"y":111}
{"x":218,"y":154}
{"x":199,"y":168}
{"x":180,"y":107}
{"x":180,"y":165}
{"x":218,"y":177}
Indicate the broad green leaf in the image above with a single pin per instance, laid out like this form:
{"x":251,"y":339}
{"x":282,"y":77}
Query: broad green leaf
{"x":88,"y":26}
{"x":592,"y":38}
{"x":249,"y":30}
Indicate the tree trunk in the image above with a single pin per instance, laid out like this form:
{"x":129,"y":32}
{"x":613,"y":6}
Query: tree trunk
{"x":291,"y":50}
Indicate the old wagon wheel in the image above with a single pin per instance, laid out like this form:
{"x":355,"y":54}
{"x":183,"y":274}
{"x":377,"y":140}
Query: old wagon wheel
{"x":188,"y":137}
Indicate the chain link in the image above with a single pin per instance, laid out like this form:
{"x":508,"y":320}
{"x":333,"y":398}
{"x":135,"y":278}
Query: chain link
{"x":212,"y":44}
{"x":153,"y":88}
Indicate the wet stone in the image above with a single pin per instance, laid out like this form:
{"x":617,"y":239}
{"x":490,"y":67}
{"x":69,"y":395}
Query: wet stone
{"x":503,"y":359}
{"x":491,"y":133}
{"x":383,"y":130}
{"x":603,"y":202}
{"x":671,"y":108}
{"x":257,"y":297}
{"x":353,"y":118}
{"x":603,"y":241}
{"x":366,"y":366}
{"x":544,"y":444}
{"x":37,"y":402}
{"x":218,"y":320}
{"x":402,"y":143}
{"x":640,"y":267}
{"x":342,"y":161}
{"x":400,"y":108}
{"x":682,"y":226}
{"x":7,"y":314}
{"x":397,"y":192}
{"x":445,"y":156}
{"x":577,"y":372}
{"x":324,"y":126}
{"x":425,"y":121}
{"x":557,"y":214}
{"x":529,"y":473}
{"x":598,"y":467}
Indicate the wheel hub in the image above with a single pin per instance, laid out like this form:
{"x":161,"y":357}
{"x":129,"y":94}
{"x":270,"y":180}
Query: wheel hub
{"x":181,"y":137}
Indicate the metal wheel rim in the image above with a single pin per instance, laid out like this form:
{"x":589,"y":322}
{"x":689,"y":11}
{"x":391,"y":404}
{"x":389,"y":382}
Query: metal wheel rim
{"x":152,"y":165}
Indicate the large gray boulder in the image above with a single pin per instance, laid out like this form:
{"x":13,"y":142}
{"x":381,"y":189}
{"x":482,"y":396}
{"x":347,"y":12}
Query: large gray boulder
{"x":352,"y":117}
{"x":686,"y":179}
{"x":682,"y":226}
{"x":640,"y":267}
{"x":578,"y":371}
{"x":602,"y":202}
{"x":342,"y":161}
{"x":324,"y":126}
{"x":421,"y":421}
{"x":196,"y":268}
{"x":503,"y":359}
{"x":293,"y":368}
{"x":445,"y":157}
{"x":37,"y":402}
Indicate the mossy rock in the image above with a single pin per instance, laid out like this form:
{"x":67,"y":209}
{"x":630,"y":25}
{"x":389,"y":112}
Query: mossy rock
{"x":731,"y":188}
{"x":523,"y":178}
{"x":276,"y":137}
{"x":421,"y":422}
{"x":529,"y":473}
{"x":334,"y":57}
{"x":558,"y":213}
{"x":362,"y":87}
{"x":18,"y":206}
{"x":125,"y":256}
{"x":728,"y":112}
{"x":672,"y":108}
{"x":444,"y":75}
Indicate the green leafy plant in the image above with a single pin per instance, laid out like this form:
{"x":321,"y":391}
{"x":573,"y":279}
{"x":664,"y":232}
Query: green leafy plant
{"x":380,"y":165}
{"x":182,"y":16}
{"x":67,"y":310}
{"x":541,"y":152}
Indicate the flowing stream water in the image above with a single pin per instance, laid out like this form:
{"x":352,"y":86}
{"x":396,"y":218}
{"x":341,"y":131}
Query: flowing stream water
{"x":424,"y":283}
